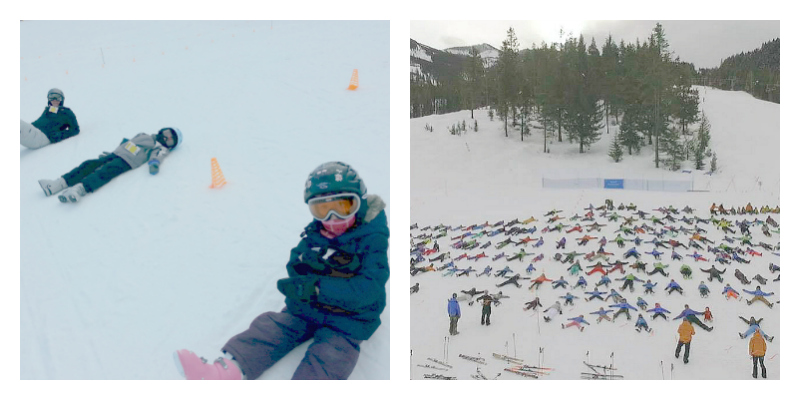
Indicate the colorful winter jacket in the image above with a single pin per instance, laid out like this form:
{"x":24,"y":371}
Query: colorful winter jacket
{"x":659,"y":310}
{"x":687,"y":312}
{"x":349,"y":273}
{"x":141,"y":149}
{"x":453,"y":309}
{"x":758,"y":347}
{"x":58,"y":125}
{"x":757,"y":293}
{"x":685,"y":331}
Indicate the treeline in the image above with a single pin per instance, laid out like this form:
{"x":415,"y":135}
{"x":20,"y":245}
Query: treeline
{"x":757,"y":72}
{"x":574,"y":91}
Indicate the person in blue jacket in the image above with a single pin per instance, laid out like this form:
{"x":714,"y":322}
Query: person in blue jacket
{"x":335,"y":292}
{"x":602,"y":314}
{"x":691,"y":315}
{"x":673,"y":286}
{"x":659,"y":311}
{"x":54,"y":125}
{"x":641,"y":303}
{"x":754,"y":324}
{"x":595,"y":295}
{"x":624,"y":307}
{"x":648,"y":287}
{"x":703,"y":289}
{"x":759,"y":295}
{"x":641,"y":323}
{"x":454,"y":312}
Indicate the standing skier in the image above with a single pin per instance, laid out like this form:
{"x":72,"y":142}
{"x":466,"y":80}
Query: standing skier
{"x":335,"y":292}
{"x":454,"y":312}
{"x":54,"y":125}
{"x":486,"y":312}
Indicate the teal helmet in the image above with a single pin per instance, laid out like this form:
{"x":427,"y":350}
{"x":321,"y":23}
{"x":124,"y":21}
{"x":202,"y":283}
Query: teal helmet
{"x":333,"y":177}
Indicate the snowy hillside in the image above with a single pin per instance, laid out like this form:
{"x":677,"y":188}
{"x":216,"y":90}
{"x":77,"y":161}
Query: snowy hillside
{"x":111,"y":286}
{"x":488,"y":53}
{"x":482,"y":179}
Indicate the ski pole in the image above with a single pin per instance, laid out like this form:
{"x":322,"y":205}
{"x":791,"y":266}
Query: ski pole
{"x":514,"y":335}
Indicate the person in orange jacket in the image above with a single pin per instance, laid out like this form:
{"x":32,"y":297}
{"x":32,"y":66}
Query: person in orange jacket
{"x":685,"y":331}
{"x":758,"y":348}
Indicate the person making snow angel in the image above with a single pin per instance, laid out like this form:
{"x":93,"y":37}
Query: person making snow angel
{"x":54,"y":125}
{"x":335,"y":292}
{"x":130,"y":154}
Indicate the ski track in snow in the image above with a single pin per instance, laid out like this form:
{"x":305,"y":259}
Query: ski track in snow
{"x":485,"y":177}
{"x":151,"y":264}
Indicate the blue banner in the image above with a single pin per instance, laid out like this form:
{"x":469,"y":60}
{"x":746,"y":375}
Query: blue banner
{"x":613,"y":183}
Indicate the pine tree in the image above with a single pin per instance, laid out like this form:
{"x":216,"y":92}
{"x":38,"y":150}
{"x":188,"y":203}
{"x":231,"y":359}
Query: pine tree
{"x":629,"y":131}
{"x":699,"y":163}
{"x":508,"y":66}
{"x":704,"y":133}
{"x":672,"y":148}
{"x":714,"y":163}
{"x":474,"y":79}
{"x":616,"y":151}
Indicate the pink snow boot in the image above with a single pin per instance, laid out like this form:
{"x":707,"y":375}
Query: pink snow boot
{"x":193,"y":367}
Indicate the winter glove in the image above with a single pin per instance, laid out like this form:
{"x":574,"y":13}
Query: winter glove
{"x":301,"y":288}
{"x":153,"y":164}
{"x":104,"y":154}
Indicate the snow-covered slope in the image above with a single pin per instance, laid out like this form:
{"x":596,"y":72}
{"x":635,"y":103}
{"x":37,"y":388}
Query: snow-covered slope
{"x":483,"y":177}
{"x":488,"y":53}
{"x":111,"y":286}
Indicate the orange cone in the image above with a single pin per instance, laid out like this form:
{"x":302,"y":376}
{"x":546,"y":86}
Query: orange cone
{"x":217,"y":179}
{"x":353,"y":81}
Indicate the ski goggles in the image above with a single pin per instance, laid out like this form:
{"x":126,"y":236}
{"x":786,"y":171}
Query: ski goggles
{"x":55,"y":96}
{"x":342,"y":205}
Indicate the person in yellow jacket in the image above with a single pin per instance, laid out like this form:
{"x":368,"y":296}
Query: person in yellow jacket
{"x":758,"y":348}
{"x":685,"y":331}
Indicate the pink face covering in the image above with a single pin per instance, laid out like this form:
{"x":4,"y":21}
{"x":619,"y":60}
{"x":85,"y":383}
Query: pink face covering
{"x":335,"y":226}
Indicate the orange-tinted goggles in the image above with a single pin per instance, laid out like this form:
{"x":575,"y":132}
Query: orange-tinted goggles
{"x":341,"y":205}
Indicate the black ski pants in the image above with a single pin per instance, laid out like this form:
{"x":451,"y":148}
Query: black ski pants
{"x":685,"y":354}
{"x":755,"y":367}
{"x":96,"y":173}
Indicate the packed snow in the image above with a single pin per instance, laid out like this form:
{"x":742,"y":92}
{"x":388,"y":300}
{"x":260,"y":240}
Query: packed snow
{"x":111,"y":286}
{"x":484,"y":178}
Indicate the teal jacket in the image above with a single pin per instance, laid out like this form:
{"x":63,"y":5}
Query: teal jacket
{"x":58,"y":125}
{"x":341,"y":282}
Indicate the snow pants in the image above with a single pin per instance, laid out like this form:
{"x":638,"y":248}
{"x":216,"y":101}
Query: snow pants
{"x":453,"y":325}
{"x":486,"y":315}
{"x":96,"y":173}
{"x":685,"y":354}
{"x":753,"y":329}
{"x":31,"y":137}
{"x":693,"y":319}
{"x":755,"y":367}
{"x":272,"y":335}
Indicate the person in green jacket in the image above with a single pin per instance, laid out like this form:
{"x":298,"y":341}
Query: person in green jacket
{"x":54,"y":125}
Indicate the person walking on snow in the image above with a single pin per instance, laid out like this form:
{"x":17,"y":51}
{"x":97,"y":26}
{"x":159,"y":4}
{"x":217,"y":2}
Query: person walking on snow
{"x":54,"y":125}
{"x":335,"y":292}
{"x":758,"y":349}
{"x":454,"y":312}
{"x":130,"y":154}
{"x":685,"y":332}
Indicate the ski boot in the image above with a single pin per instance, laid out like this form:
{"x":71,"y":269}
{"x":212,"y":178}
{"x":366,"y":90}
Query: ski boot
{"x":193,"y":367}
{"x":52,"y":187}
{"x":73,"y":194}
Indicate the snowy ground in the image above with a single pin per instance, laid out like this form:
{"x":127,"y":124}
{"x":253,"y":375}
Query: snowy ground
{"x":111,"y":286}
{"x":485,"y":177}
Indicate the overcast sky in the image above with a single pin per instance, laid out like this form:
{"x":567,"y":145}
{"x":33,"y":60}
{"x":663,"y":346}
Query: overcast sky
{"x":704,"y":43}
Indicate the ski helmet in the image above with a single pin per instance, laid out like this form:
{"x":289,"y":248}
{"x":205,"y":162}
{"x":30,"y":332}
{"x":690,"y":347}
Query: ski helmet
{"x":177,"y":137}
{"x":55,"y":94}
{"x":333,"y":177}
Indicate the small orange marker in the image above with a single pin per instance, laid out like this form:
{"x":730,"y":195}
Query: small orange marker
{"x":217,"y":178}
{"x":353,"y":81}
